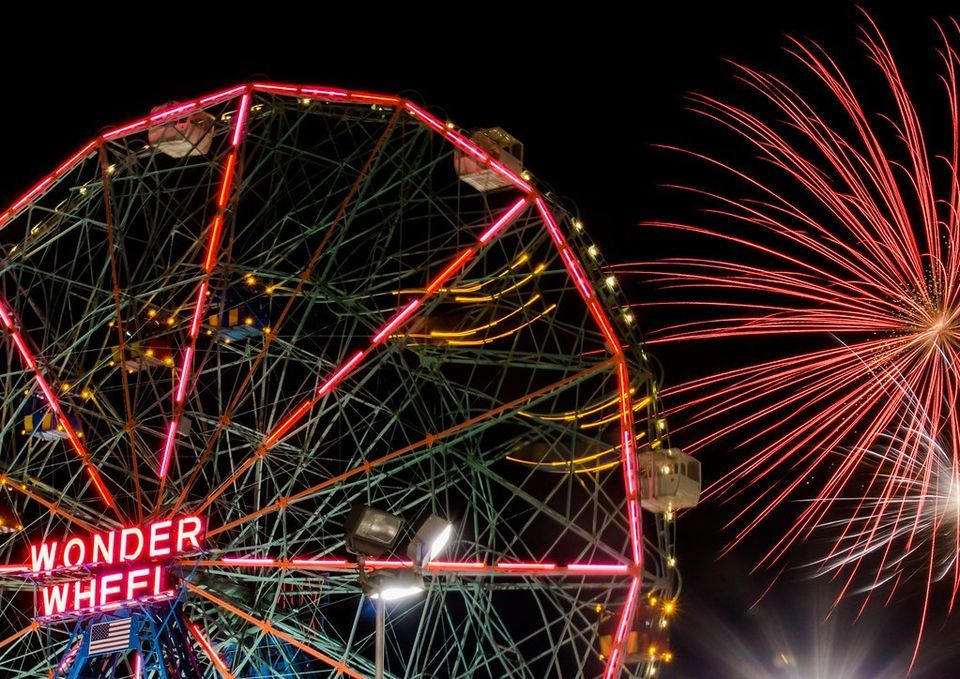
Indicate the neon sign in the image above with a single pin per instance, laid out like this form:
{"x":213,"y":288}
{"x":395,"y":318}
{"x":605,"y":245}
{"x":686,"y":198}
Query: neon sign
{"x":112,"y":568}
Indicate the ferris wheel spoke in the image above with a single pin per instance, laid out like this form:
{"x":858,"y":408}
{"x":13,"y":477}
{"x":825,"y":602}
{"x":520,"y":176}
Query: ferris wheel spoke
{"x":55,"y":507}
{"x":290,"y":421}
{"x":119,"y":324}
{"x":268,"y":628}
{"x":13,"y":638}
{"x":280,"y":322}
{"x":426,"y":442}
{"x":209,"y":651}
{"x":216,"y":229}
{"x":32,"y":363}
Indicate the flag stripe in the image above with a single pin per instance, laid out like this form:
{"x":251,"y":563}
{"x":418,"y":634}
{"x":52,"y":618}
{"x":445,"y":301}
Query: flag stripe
{"x":109,"y":637}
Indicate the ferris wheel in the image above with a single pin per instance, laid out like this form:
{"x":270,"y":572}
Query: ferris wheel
{"x":261,"y":348}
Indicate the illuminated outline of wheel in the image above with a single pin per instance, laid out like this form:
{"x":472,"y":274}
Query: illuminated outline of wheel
{"x":357,"y":382}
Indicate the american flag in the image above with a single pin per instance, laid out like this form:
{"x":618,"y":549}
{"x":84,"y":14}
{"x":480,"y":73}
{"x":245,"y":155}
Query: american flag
{"x":110,"y":637}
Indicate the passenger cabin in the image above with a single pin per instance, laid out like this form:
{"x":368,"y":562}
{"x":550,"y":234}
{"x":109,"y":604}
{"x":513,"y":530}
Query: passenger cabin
{"x":649,"y":641}
{"x":181,"y":137}
{"x":148,"y":344}
{"x":502,"y":147}
{"x":9,"y":520}
{"x":154,"y":352}
{"x":240,"y":318}
{"x":41,"y":422}
{"x":669,"y":480}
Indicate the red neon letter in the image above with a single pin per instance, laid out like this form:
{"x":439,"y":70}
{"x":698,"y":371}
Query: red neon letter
{"x":43,"y":555}
{"x":104,"y":547}
{"x":125,"y":553}
{"x":136,"y":581}
{"x":159,"y":534}
{"x":55,"y":598}
{"x":74,"y":545}
{"x":190,"y":535}
{"x":106,"y":589}
{"x":90,"y":595}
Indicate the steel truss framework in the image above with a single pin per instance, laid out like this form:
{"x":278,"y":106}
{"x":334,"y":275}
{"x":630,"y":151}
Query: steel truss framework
{"x":414,"y":345}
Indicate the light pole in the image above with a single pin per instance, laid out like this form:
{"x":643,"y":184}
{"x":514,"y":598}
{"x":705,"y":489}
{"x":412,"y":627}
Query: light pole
{"x":370,"y":533}
{"x":381,"y":636}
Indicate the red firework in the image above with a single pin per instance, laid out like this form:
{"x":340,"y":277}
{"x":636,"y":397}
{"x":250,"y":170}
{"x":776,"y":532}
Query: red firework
{"x":845,"y":259}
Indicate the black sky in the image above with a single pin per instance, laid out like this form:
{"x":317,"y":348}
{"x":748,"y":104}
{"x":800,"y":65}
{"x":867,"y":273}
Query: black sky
{"x":588,"y":93}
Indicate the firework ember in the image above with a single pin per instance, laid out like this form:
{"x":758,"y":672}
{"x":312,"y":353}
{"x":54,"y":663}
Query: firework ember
{"x":844,"y":259}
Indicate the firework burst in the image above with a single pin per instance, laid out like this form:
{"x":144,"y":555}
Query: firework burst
{"x":844,"y":260}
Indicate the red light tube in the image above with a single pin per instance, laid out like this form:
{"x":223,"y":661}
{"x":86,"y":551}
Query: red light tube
{"x":75,"y":158}
{"x":321,"y":563}
{"x":422,"y":115}
{"x":338,"y":376}
{"x":504,"y":219}
{"x":397,"y":319}
{"x":287,"y":423}
{"x":222,"y":95}
{"x":198,"y":310}
{"x":451,"y":269}
{"x":168,"y":448}
{"x":209,"y":650}
{"x":519,"y":566}
{"x":227,"y":181}
{"x":623,"y":627}
{"x":248,"y":561}
{"x":242,"y":114}
{"x":579,"y":278}
{"x":185,"y":374}
{"x":551,"y":223}
{"x":599,"y":568}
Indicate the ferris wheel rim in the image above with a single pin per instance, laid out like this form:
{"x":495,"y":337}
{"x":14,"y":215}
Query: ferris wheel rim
{"x":530,"y":198}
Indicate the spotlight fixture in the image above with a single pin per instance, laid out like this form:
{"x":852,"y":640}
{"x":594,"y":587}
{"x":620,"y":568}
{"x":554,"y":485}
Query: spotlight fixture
{"x":371,"y":532}
{"x":430,"y":540}
{"x":391,"y":585}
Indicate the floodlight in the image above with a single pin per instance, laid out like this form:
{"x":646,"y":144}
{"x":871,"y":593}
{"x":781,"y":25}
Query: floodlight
{"x":369,"y":531}
{"x":430,"y":540}
{"x":391,"y":585}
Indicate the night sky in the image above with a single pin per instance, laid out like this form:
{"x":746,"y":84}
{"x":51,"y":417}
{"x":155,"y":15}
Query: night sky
{"x":590,"y":96}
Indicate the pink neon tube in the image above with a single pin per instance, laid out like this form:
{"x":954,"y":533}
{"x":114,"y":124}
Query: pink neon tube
{"x":398,"y":319}
{"x":213,"y":245}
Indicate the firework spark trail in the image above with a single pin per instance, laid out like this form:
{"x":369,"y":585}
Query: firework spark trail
{"x":858,"y":229}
